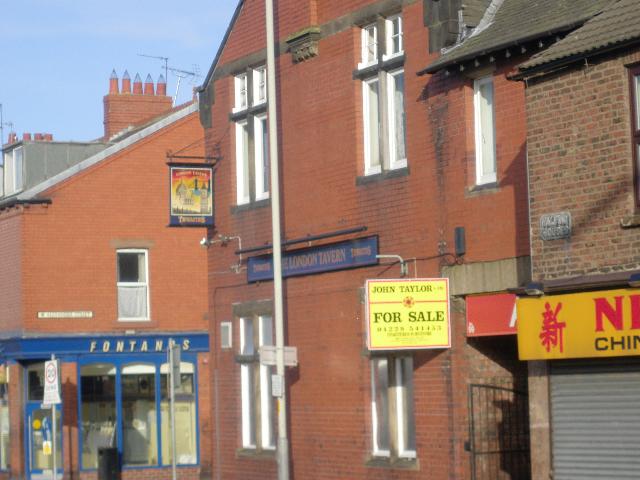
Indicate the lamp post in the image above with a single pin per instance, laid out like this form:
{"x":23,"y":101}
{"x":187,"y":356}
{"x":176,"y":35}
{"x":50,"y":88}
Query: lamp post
{"x":283,"y":443}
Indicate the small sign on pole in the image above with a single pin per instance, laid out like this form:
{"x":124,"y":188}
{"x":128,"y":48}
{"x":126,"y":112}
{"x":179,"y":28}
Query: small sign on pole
{"x":51,"y":383}
{"x":268,"y":356}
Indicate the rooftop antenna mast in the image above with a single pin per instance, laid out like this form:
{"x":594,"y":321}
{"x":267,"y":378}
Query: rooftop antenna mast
{"x":2,"y":125}
{"x":180,"y":74}
{"x":164,"y":59}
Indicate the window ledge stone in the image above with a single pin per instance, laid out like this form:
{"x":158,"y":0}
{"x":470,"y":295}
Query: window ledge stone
{"x":393,"y":463}
{"x":483,"y":189}
{"x":380,"y":177}
{"x":630,"y":221}
{"x":256,"y":454}
{"x":250,"y":206}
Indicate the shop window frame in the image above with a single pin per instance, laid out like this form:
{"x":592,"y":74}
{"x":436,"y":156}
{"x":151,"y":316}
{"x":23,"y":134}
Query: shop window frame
{"x":120,"y":361}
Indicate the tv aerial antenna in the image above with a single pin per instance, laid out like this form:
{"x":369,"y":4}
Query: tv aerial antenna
{"x":176,"y":71}
{"x":2,"y":125}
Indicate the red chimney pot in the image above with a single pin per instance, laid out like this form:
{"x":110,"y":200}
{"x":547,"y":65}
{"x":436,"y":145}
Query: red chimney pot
{"x":161,"y":88}
{"x":113,"y":83}
{"x":148,"y":86}
{"x":137,"y":85}
{"x":126,"y":82}
{"x":26,"y":137}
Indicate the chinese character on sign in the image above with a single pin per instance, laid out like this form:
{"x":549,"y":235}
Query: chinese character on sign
{"x":551,"y":334}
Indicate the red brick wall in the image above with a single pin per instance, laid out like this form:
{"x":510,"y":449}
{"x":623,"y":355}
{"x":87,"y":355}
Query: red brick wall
{"x":321,"y":137}
{"x":11,"y":273}
{"x":62,"y":257}
{"x":580,"y":160}
{"x":122,"y":110}
{"x":70,"y":246}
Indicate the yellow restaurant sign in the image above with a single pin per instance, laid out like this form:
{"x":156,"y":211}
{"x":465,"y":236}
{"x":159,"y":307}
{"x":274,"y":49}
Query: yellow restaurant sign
{"x":408,"y":314}
{"x":579,"y":325}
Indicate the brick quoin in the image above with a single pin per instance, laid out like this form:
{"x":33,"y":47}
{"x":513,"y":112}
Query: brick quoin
{"x":414,"y":215}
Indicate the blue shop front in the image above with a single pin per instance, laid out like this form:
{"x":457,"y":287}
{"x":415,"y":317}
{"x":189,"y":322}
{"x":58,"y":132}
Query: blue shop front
{"x":114,"y":395}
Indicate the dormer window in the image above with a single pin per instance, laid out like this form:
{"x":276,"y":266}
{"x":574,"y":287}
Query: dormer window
{"x":13,"y":178}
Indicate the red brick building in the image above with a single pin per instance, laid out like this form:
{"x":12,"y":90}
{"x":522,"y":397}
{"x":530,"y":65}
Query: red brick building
{"x":427,"y":173}
{"x":578,"y":327}
{"x":91,"y":273}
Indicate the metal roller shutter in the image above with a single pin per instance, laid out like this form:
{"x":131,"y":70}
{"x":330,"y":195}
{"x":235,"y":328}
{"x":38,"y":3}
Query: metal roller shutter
{"x":595,"y":419}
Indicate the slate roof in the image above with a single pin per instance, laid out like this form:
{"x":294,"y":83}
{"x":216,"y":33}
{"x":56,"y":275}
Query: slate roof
{"x":617,"y":25}
{"x":513,"y":22}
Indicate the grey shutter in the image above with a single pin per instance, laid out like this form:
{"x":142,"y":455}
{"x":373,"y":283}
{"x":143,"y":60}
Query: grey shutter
{"x":595,"y":418}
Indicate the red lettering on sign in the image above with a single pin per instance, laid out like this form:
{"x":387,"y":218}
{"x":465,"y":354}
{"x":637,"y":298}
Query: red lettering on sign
{"x":604,"y":309}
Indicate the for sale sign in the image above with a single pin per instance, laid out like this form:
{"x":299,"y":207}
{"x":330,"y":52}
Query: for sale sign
{"x":51,"y":383}
{"x":408,"y":314}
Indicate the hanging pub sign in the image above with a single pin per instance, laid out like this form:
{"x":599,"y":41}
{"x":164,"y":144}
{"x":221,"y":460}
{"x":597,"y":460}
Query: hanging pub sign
{"x":579,"y":325}
{"x":191,"y":195}
{"x":408,"y":314}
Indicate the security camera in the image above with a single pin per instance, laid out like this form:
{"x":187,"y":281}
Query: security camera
{"x":205,"y":242}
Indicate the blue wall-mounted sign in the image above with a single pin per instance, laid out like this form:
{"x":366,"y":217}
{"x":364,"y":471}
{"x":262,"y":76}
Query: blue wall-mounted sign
{"x":336,"y":256}
{"x":86,"y":344}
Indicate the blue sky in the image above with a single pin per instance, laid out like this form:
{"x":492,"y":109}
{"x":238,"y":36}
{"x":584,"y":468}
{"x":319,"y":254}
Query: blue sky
{"x":57,"y":56}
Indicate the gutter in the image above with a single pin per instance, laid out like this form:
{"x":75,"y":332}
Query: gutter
{"x":512,"y":43}
{"x":12,"y":202}
{"x":550,"y":67}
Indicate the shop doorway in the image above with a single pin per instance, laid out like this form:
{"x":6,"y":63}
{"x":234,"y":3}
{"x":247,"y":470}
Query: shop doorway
{"x":39,"y":435}
{"x":498,"y":433}
{"x":39,"y":428}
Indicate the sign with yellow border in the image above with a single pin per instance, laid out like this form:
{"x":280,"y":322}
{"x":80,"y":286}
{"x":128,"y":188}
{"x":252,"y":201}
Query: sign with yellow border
{"x":579,"y":325}
{"x":408,"y":314}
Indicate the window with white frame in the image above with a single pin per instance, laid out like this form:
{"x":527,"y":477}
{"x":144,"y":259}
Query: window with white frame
{"x":133,"y":284}
{"x":369,"y":44}
{"x":257,"y":406}
{"x":393,"y":33}
{"x":397,"y":119}
{"x":241,"y":92}
{"x":383,"y":98}
{"x":261,"y":156}
{"x":259,"y":85}
{"x":252,"y":146}
{"x":243,"y":195}
{"x":484,"y":131}
{"x":635,"y":112}
{"x":13,"y":171}
{"x":392,"y":418}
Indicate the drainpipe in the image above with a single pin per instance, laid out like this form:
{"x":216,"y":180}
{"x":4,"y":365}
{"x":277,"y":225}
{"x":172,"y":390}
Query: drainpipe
{"x":283,"y":443}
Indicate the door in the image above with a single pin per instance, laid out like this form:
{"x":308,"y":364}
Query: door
{"x":39,"y":437}
{"x":498,"y":432}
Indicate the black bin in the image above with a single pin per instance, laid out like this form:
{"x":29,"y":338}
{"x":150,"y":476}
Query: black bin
{"x":108,"y":463}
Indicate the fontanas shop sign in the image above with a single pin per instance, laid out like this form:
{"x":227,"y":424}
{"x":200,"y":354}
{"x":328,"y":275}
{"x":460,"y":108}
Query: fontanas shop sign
{"x":579,"y":325}
{"x":408,"y":314}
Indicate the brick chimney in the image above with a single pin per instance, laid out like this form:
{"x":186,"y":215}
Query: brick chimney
{"x":124,"y":107}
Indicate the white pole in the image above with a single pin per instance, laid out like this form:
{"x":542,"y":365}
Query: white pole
{"x":283,"y":443}
{"x":54,"y":431}
{"x":172,"y":396}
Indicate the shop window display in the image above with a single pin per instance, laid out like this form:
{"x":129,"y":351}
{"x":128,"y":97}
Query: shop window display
{"x":98,"y":399}
{"x":185,"y":407}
